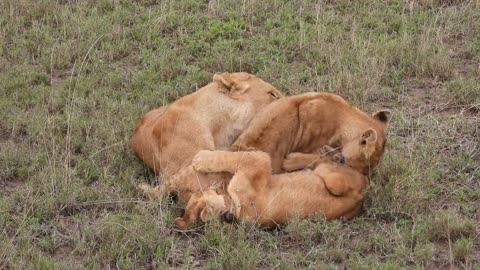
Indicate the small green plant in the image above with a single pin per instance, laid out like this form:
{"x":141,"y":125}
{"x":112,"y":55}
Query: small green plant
{"x":462,"y":248}
{"x":45,"y":264}
{"x":450,"y":226}
{"x":465,"y":92}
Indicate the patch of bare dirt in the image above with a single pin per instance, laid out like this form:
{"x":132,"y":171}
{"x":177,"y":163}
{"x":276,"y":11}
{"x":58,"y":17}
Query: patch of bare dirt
{"x":17,"y":134}
{"x":68,"y":230}
{"x":10,"y":182}
{"x":464,"y":66}
{"x":421,"y":95}
{"x":57,"y":79}
{"x":4,"y":132}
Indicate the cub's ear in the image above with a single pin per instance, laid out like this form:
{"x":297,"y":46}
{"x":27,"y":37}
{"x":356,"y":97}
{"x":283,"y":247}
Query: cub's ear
{"x":369,"y":136}
{"x":382,"y":116}
{"x":230,"y":82}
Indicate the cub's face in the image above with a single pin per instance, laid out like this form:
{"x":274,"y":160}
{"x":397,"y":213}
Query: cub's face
{"x":247,"y":87}
{"x":364,"y":152}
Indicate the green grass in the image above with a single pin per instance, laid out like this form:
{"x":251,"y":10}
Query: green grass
{"x":76,"y":76}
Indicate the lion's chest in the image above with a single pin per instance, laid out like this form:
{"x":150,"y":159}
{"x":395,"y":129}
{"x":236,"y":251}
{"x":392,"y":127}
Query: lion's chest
{"x":237,"y":121}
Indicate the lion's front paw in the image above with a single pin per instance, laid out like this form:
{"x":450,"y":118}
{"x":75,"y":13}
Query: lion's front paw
{"x":202,"y":161}
{"x":293,"y":157}
{"x":296,"y":161}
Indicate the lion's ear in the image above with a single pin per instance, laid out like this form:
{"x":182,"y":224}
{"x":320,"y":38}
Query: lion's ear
{"x":240,"y":87}
{"x":226,"y":79}
{"x":382,"y":116}
{"x":230,"y":82}
{"x":369,"y":136}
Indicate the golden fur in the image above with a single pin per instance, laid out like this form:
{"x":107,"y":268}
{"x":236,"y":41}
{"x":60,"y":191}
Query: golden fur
{"x":329,"y":189}
{"x":307,"y":122}
{"x":303,"y":123}
{"x":167,"y":138}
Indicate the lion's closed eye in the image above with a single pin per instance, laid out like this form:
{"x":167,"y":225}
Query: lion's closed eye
{"x":273,"y":94}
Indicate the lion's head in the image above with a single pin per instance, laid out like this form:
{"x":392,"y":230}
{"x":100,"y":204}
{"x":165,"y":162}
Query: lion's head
{"x":364,"y":151}
{"x":247,"y":87}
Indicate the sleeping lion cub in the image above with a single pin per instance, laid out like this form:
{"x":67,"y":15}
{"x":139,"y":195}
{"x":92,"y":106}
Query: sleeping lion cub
{"x":329,"y":188}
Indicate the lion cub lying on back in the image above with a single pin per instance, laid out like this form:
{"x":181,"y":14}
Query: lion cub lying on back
{"x":330,"y":189}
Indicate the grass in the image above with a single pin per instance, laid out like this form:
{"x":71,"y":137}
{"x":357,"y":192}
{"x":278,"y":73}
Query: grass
{"x":76,"y":76}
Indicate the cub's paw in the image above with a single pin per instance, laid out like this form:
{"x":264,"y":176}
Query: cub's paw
{"x":203,"y":160}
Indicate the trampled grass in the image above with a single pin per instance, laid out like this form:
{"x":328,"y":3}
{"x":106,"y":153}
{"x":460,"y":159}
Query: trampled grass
{"x":76,"y":76}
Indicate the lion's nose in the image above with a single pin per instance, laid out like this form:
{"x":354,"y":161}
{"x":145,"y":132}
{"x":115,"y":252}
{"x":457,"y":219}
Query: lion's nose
{"x":228,"y":217}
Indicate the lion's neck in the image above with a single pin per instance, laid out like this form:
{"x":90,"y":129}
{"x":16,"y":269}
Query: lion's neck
{"x":225,"y":117}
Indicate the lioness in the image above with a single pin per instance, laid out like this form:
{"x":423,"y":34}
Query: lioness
{"x":254,"y":194}
{"x":303,"y":123}
{"x":167,"y":138}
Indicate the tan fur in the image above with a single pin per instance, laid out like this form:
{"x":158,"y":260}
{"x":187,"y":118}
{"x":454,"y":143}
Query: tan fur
{"x":307,"y":122}
{"x":303,"y":123}
{"x":167,"y":138}
{"x":330,"y":189}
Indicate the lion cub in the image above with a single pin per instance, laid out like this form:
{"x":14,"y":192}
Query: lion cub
{"x":327,"y":188}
